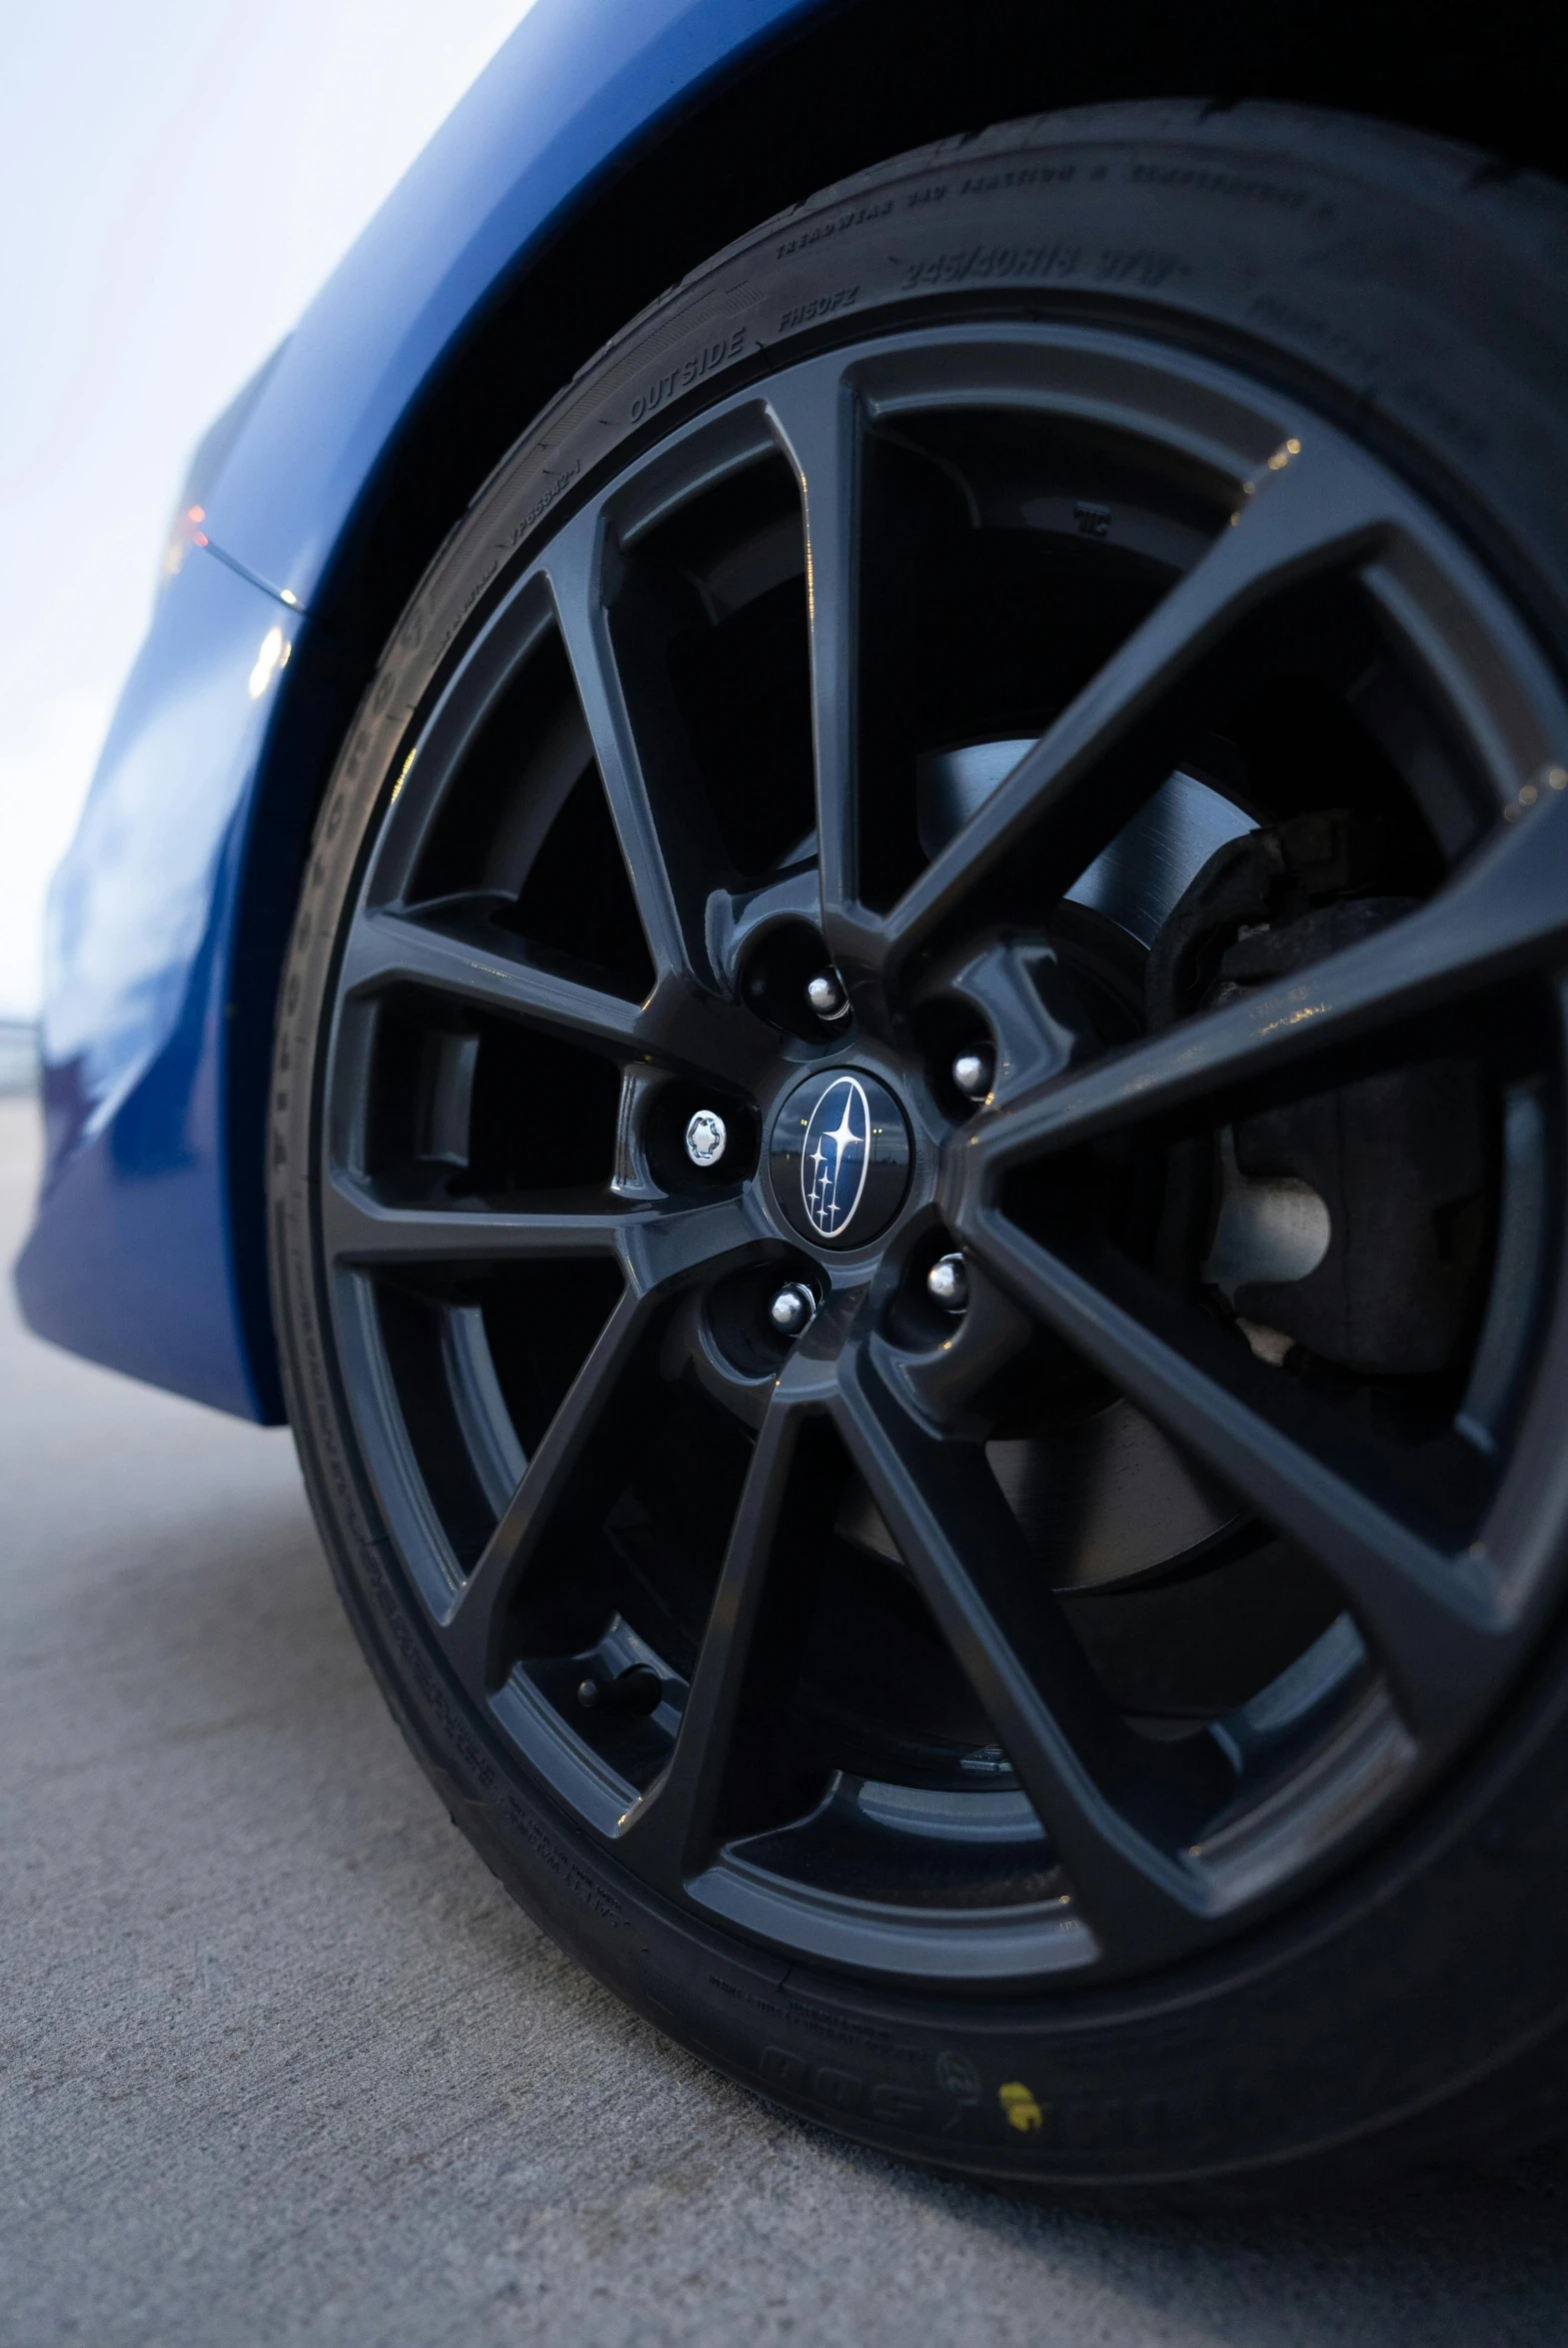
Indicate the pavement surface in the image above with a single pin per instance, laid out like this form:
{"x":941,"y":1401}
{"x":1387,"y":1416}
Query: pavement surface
{"x":279,"y":2063}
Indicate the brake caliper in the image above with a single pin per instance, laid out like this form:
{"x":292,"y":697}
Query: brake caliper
{"x":1352,"y":1223}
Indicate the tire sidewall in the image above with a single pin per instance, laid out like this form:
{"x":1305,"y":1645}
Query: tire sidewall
{"x":1389,"y":281}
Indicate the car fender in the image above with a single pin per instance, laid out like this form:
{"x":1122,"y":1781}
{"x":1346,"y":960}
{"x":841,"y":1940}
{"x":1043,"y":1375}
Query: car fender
{"x":147,"y":1252}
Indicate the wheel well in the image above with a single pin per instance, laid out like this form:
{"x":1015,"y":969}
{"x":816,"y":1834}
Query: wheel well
{"x":863,"y":80}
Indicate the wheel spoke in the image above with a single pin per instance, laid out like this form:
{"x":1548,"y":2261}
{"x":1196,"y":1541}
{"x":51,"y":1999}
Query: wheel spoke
{"x":1504,"y":913}
{"x":679,"y":1026}
{"x":658,"y":1254}
{"x":671,"y":1832}
{"x":816,"y":419}
{"x":574,"y":564}
{"x":1037,"y":1024}
{"x":1431,"y":1616}
{"x":473,"y":1629}
{"x":461,"y":962}
{"x":361,"y":1229}
{"x":944,"y":1384}
{"x":659,"y":1247}
{"x":1086,"y":774}
{"x":1078,"y":1763}
{"x":735,"y":924}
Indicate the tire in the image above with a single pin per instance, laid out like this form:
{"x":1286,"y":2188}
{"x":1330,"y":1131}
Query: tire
{"x":1345,"y":1478}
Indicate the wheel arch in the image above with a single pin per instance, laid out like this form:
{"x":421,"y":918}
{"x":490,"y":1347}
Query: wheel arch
{"x":834,"y":90}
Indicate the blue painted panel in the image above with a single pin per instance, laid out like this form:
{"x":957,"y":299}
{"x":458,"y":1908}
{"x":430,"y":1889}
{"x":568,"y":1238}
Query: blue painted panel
{"x":138,"y":1258}
{"x":131,"y":1258}
{"x":578,"y":81}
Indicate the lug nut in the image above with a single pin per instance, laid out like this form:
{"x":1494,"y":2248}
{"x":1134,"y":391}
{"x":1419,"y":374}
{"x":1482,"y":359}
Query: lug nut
{"x":948,"y":1283}
{"x":793,"y":1308}
{"x":972,"y":1072}
{"x":827,"y":996}
{"x":706,"y":1137}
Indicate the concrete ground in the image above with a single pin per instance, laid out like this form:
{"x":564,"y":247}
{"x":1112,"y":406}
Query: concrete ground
{"x":279,"y":2063}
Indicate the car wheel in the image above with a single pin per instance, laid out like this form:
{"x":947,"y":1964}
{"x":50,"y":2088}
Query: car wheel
{"x":917,"y":1170}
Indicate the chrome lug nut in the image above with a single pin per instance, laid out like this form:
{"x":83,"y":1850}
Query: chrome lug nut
{"x":793,"y":1308}
{"x":948,"y":1283}
{"x":827,"y":996}
{"x":706,"y":1137}
{"x":972,"y":1072}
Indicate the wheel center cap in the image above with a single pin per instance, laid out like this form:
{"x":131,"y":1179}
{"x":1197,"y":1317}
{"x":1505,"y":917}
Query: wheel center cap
{"x":839,"y":1158}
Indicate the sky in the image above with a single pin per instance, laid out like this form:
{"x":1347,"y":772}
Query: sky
{"x":176,"y":180}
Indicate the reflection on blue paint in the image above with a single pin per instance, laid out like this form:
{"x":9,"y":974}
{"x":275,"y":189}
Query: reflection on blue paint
{"x":149,"y":1249}
{"x":131,"y":1258}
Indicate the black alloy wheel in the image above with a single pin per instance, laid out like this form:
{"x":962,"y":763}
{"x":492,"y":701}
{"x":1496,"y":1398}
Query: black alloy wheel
{"x":918,"y":1174}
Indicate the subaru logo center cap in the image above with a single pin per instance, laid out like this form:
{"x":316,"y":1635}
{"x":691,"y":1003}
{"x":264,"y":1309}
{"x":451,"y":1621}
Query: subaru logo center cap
{"x":839,"y":1157}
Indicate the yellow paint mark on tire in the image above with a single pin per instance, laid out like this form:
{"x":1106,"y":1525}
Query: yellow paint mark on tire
{"x":1018,"y":2101}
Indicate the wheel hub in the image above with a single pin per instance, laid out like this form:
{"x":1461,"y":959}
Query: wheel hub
{"x":839,"y":1157}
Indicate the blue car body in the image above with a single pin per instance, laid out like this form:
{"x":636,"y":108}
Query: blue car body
{"x":148,"y":1252}
{"x":170,"y":914}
